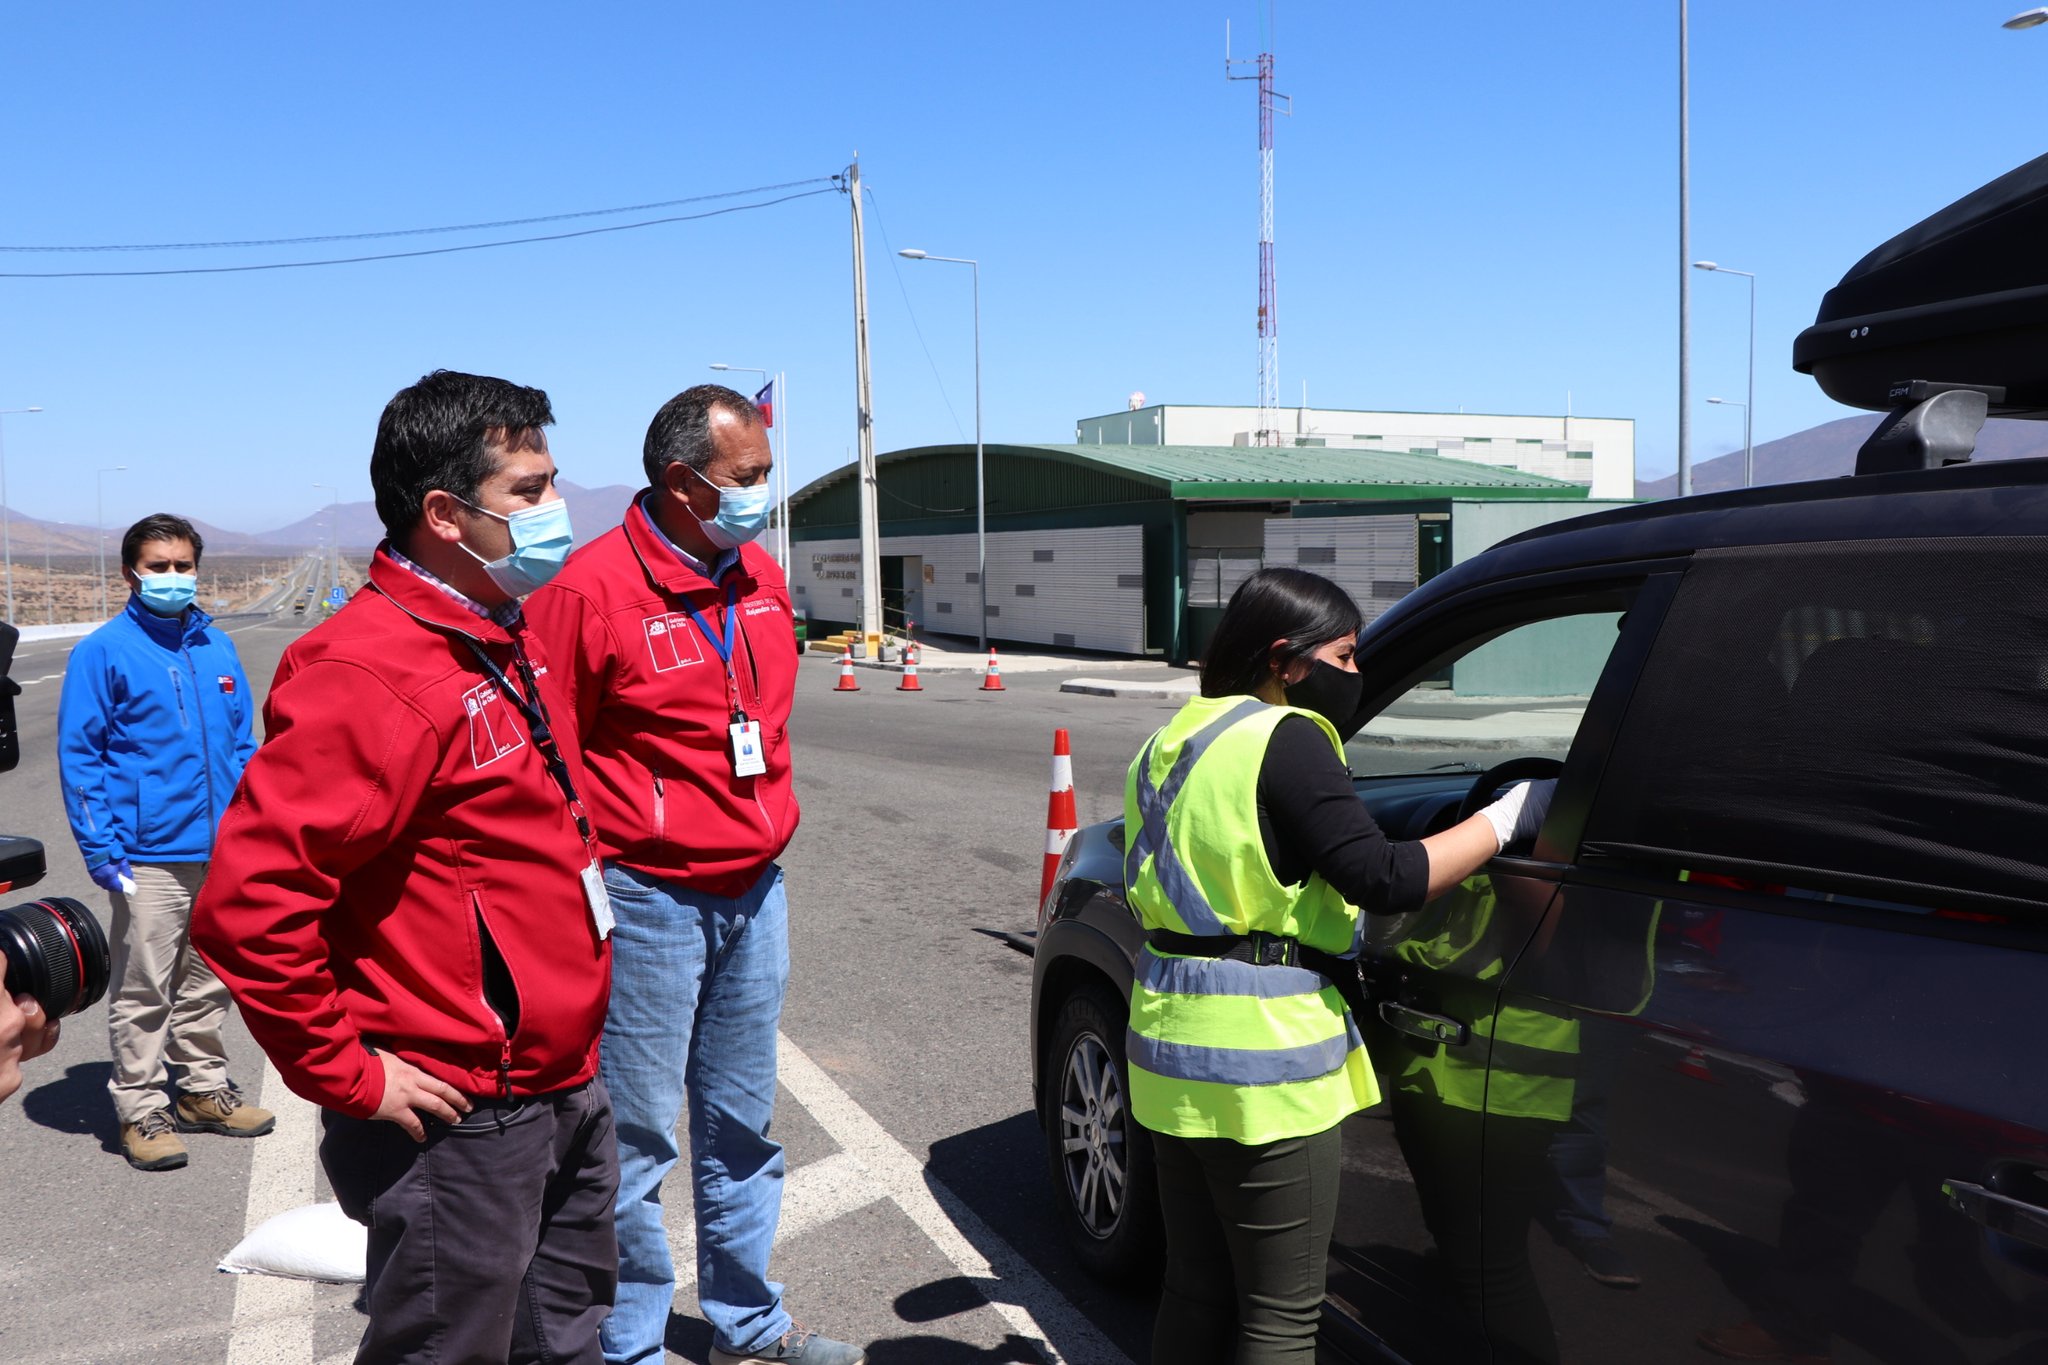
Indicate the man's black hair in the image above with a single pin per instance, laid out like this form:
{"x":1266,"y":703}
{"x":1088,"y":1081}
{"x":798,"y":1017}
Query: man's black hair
{"x":1304,"y":609}
{"x":159,"y":526}
{"x":439,"y":433}
{"x":682,"y":429}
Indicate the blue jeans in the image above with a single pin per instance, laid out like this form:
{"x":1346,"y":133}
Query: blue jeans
{"x":697,"y":984}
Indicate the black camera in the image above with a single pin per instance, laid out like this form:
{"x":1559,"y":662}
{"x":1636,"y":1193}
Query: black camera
{"x":55,"y":950}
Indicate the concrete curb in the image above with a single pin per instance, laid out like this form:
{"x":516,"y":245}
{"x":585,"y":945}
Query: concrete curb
{"x":1130,"y":691}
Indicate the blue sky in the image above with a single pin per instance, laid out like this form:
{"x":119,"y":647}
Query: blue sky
{"x":1477,"y":206}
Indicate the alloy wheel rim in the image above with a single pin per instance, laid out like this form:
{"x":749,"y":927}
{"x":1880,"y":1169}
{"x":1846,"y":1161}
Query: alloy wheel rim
{"x":1092,"y":1110}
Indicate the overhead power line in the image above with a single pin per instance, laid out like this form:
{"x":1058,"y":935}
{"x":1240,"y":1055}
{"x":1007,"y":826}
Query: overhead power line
{"x":428,"y":231}
{"x":406,"y":255}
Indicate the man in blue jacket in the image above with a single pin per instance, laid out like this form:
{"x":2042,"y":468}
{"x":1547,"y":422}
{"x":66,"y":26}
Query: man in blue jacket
{"x":154,"y":729}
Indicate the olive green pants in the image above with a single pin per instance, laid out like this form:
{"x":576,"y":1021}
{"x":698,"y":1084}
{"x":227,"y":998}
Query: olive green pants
{"x":1247,"y":1243}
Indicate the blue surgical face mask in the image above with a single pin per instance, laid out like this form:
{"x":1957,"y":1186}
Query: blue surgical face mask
{"x":742,"y":513}
{"x":541,"y":541}
{"x":166,"y":594}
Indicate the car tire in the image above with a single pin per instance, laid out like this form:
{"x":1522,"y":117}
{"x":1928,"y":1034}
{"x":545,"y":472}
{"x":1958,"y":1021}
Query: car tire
{"x":1099,"y":1158}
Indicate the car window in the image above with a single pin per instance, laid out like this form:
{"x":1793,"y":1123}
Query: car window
{"x":1866,"y":717}
{"x":1522,"y":690}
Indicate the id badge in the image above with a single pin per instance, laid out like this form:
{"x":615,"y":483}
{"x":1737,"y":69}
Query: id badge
{"x":747,"y":758}
{"x":599,"y":901}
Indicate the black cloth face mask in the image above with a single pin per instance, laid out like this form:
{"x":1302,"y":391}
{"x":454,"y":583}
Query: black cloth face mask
{"x":1329,"y":691}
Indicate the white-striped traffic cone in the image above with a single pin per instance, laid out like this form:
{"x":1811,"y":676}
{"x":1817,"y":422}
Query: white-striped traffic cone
{"x":1061,"y":824}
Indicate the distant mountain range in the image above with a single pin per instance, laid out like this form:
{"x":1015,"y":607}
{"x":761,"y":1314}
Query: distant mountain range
{"x":1828,"y":451}
{"x":592,"y":512}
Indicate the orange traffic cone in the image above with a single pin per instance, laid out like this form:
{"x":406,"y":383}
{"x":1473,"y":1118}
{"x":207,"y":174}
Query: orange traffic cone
{"x":1061,"y":823}
{"x":1695,"y":1067}
{"x":846,"y":682}
{"x":910,"y":682}
{"x":992,"y":681}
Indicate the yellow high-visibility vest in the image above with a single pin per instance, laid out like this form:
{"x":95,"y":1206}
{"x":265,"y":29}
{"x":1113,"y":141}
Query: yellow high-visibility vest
{"x":1220,"y":1048}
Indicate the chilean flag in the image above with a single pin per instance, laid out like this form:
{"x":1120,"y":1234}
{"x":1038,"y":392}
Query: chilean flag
{"x":765,"y":401}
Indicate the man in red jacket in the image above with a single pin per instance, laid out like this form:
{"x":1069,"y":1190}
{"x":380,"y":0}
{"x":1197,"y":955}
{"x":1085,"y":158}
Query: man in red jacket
{"x":675,"y":631}
{"x":405,"y":902}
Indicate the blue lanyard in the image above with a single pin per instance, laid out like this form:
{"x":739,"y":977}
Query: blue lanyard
{"x":722,"y":647}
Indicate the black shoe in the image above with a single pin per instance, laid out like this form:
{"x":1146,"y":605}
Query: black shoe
{"x":1604,"y":1262}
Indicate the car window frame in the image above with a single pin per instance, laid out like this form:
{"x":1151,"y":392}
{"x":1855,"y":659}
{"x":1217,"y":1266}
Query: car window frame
{"x":1421,"y":638}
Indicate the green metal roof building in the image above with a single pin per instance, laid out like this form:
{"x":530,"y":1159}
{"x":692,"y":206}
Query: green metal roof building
{"x":1135,"y":548}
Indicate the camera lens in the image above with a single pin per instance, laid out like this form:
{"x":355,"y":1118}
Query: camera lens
{"x":56,"y":952}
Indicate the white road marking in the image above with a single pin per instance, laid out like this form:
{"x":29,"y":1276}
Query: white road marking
{"x":273,"y":1318}
{"x":273,"y":1323}
{"x":812,"y":1196}
{"x":1009,"y":1282}
{"x":47,"y":677}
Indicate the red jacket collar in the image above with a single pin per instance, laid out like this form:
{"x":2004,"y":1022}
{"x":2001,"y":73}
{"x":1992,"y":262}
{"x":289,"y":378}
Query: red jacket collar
{"x":665,"y":569}
{"x":418,"y":598}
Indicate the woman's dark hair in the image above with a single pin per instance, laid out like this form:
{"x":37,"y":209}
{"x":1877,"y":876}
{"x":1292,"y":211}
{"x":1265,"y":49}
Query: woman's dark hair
{"x":1304,"y":609}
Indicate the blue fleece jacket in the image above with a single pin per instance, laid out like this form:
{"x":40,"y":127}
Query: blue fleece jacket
{"x":154,"y":728}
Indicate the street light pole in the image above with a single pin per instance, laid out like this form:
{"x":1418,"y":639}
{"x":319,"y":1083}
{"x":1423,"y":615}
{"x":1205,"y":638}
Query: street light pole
{"x":1748,"y":451}
{"x":333,"y":535}
{"x":100,"y":526}
{"x":980,"y":482}
{"x":7,"y":517}
{"x":1684,"y":257}
{"x":1731,"y":403}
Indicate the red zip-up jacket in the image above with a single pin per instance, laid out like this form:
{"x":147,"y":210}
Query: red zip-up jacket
{"x":653,"y":705}
{"x":397,"y":830}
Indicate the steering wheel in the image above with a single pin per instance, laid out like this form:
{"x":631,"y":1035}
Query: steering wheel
{"x":1487,"y":785}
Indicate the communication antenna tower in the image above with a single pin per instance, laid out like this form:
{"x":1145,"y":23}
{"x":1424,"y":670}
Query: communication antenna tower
{"x":1260,"y":69}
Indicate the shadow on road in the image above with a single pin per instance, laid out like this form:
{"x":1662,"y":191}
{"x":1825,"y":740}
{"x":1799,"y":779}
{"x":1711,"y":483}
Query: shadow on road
{"x":76,"y":1103}
{"x":999,"y":1171}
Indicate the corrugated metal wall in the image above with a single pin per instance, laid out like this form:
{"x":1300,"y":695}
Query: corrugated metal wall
{"x":1082,"y":588}
{"x":1372,"y":558}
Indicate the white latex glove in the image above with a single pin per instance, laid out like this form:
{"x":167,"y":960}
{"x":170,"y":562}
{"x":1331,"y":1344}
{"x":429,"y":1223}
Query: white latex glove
{"x":1519,"y":814}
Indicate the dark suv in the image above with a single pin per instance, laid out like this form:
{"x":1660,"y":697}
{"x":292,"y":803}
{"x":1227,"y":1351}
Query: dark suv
{"x":1743,"y":1058}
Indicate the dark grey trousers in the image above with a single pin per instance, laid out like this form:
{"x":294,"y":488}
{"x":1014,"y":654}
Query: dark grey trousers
{"x":1247,"y":1245}
{"x":491,"y":1242}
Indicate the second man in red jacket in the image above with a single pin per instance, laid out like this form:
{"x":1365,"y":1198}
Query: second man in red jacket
{"x":674,"y":632}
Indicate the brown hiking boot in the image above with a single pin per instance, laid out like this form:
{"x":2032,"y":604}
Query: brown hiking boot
{"x":150,"y":1144}
{"x":222,"y":1111}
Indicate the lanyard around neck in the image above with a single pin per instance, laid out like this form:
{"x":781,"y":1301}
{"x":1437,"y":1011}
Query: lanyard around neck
{"x":723,"y":648}
{"x":533,"y":710}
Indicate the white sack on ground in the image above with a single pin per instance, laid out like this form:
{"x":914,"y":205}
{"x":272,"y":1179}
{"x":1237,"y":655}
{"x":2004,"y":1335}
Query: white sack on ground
{"x":316,"y":1242}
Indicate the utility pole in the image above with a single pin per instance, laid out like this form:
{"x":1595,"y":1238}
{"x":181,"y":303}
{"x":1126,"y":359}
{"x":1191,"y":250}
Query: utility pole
{"x":1261,"y":70}
{"x":870,"y":529}
{"x":1684,"y":265}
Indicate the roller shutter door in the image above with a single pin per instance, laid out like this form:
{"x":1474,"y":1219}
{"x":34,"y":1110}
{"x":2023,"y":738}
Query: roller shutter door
{"x":1372,"y":558}
{"x":1080,"y":588}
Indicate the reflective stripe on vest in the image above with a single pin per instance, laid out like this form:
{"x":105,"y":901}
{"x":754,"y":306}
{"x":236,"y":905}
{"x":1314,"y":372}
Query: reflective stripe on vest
{"x":1153,"y":842}
{"x":1244,"y":1066}
{"x":1216,"y":1047}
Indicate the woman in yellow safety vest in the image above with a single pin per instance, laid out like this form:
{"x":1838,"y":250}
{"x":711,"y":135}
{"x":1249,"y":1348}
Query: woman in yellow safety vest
{"x":1250,"y":860}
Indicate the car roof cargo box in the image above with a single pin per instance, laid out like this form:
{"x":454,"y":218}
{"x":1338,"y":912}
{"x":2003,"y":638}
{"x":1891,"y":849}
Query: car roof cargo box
{"x":1961,"y":298}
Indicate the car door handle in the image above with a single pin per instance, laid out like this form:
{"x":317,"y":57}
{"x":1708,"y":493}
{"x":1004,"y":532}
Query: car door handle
{"x":1431,"y":1028}
{"x":2015,"y":1218}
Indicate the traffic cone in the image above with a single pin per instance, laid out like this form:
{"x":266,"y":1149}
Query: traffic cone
{"x":846,"y":682}
{"x":910,"y":682}
{"x":1061,"y":823}
{"x":992,"y":681}
{"x":1695,"y":1067}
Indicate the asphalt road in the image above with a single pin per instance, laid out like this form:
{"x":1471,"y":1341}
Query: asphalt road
{"x":916,"y":1216}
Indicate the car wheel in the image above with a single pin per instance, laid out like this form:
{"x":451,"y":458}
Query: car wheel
{"x":1100,"y":1159}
